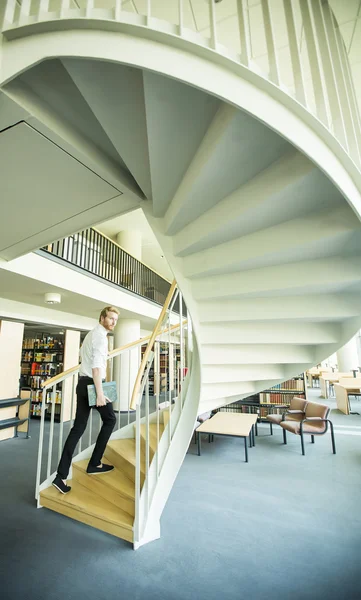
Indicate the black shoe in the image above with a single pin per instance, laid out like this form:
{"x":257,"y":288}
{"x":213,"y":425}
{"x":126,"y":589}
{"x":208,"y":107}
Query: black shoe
{"x":99,"y":470}
{"x":60,"y":485}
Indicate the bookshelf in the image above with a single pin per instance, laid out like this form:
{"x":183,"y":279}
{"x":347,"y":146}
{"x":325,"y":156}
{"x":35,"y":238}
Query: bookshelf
{"x":42,"y":358}
{"x":169,"y":369}
{"x":277,"y":398}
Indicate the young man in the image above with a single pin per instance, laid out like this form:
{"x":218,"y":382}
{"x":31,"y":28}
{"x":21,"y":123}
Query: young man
{"x":93,"y":356}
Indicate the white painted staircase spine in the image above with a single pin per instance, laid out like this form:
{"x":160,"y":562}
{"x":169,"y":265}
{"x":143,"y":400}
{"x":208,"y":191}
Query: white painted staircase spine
{"x":252,"y":184}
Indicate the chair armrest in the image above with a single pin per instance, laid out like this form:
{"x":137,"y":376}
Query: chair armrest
{"x":296,"y":412}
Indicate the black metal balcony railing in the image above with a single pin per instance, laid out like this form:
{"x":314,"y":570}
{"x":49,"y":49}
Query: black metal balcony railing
{"x":93,"y":252}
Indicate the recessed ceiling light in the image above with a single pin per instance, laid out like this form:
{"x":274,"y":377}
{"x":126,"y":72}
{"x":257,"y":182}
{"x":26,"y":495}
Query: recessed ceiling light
{"x":52,"y":298}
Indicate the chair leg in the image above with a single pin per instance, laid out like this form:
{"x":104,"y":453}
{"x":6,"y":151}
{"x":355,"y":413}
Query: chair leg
{"x":271,"y":428}
{"x":302,"y":444}
{"x":332,"y":438}
{"x":312,"y":439}
{"x":284,"y":437}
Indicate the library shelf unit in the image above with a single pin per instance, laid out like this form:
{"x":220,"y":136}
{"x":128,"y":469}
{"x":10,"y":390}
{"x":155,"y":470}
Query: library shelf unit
{"x":42,"y":358}
{"x":275,"y":399}
{"x":169,"y":369}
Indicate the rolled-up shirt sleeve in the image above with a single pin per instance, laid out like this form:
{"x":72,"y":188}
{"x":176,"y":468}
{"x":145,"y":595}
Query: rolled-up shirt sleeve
{"x":99,"y":351}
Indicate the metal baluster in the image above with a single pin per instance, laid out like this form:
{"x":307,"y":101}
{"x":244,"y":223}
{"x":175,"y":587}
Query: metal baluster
{"x":322,"y":108}
{"x":331,"y":83}
{"x":137,"y":474}
{"x":149,"y":13}
{"x":180,"y":15}
{"x":41,"y":441}
{"x":212,"y":22}
{"x":297,"y":69}
{"x":156,"y":394}
{"x":181,"y":344}
{"x":169,"y":392}
{"x":9,"y":15}
{"x":24,"y":10}
{"x":51,"y":434}
{"x":61,"y":430}
{"x":90,"y":426}
{"x":244,"y":32}
{"x":64,"y":6}
{"x":270,"y":41}
{"x":89,"y":9}
{"x":73,"y":395}
{"x":349,"y":90}
{"x":117,"y":10}
{"x":43,"y":8}
{"x":129,"y":383}
{"x":147,"y":456}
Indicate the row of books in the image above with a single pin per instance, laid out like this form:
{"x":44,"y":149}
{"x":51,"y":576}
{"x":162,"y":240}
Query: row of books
{"x":277,"y":398}
{"x":291,"y":384}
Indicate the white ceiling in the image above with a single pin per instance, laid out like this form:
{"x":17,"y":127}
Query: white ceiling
{"x":30,"y":291}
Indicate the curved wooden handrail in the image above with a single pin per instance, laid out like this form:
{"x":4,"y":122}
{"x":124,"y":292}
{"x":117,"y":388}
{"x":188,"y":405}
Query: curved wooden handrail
{"x":150,"y":344}
{"x":112,"y":354}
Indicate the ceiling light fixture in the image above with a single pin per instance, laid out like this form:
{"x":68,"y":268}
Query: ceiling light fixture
{"x":52,"y":298}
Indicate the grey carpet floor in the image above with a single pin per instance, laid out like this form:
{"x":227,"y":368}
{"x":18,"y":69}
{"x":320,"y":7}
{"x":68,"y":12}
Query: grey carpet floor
{"x":283,"y":526}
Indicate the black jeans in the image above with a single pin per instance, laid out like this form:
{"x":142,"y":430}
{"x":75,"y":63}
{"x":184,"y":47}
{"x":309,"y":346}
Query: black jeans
{"x":81,"y":419}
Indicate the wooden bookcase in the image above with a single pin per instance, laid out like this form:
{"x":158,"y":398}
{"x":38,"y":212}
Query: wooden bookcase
{"x":42,"y":358}
{"x":274,"y":399}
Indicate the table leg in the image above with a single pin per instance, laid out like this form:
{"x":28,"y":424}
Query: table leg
{"x":253,"y":436}
{"x":199,"y":443}
{"x":245,"y":449}
{"x":250,"y":439}
{"x":256,"y":427}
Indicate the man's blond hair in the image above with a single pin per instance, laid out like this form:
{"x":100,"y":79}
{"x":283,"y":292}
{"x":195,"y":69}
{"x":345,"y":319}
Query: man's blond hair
{"x":105,"y":311}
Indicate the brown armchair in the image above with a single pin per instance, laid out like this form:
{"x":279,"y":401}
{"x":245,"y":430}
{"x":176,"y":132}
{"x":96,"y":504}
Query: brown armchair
{"x":295,"y":412}
{"x":315,"y":422}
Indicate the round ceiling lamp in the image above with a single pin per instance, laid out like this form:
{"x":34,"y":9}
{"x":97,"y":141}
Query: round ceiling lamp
{"x":52,"y":298}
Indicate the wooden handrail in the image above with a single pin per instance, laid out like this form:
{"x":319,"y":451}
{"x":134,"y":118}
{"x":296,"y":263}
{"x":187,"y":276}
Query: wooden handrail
{"x":150,"y":344}
{"x":140,"y":342}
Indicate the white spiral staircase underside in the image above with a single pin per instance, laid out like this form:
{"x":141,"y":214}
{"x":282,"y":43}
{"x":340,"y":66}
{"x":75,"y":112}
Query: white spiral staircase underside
{"x":264,"y":246}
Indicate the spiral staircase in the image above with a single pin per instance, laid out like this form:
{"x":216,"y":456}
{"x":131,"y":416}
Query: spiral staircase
{"x":254,"y":198}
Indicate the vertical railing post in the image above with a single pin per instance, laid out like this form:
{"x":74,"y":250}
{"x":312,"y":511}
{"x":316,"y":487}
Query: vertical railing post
{"x":212,"y":23}
{"x":181,"y":345}
{"x":335,"y":50}
{"x":243,"y":26}
{"x":64,"y":6}
{"x":295,"y":55}
{"x":61,"y":427}
{"x":51,"y":433}
{"x":89,"y":8}
{"x":330,"y":81}
{"x":322,"y":108}
{"x":137,"y":475}
{"x":41,"y":442}
{"x":43,"y":8}
{"x":180,"y":17}
{"x":149,"y":13}
{"x":156,"y":394}
{"x":9,"y":14}
{"x":24,"y":10}
{"x":117,"y":10}
{"x":147,"y":454}
{"x":270,"y":42}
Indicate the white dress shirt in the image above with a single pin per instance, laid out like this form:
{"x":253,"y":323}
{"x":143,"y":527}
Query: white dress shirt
{"x":94,"y":352}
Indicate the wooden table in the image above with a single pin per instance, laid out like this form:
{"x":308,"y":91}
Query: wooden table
{"x":231,"y":424}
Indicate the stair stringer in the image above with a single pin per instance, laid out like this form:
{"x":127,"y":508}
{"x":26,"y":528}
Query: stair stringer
{"x":174,"y":456}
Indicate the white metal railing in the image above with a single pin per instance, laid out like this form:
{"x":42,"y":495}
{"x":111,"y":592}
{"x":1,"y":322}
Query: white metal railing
{"x":295,"y":44}
{"x":167,"y":359}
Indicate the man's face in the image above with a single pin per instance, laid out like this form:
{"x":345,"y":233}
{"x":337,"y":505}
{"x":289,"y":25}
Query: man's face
{"x":110,"y":321}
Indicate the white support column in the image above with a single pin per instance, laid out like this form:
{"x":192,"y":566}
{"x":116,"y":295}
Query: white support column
{"x":347,"y":356}
{"x":126,"y":366}
{"x":131,"y":241}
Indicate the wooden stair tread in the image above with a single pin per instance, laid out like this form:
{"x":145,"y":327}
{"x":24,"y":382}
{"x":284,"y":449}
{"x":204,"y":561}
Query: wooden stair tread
{"x":153,"y":442}
{"x":126,"y":448}
{"x":117,"y":480}
{"x":83,"y":500}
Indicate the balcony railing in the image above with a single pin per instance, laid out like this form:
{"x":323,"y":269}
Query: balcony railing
{"x":295,"y":44}
{"x":94,"y":253}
